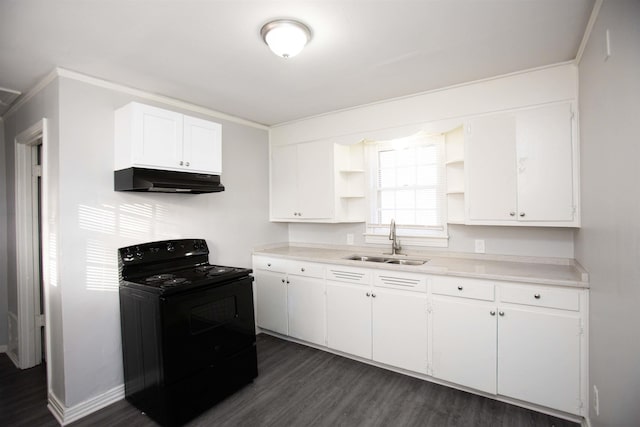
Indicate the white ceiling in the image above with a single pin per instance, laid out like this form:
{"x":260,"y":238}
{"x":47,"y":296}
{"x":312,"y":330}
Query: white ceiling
{"x":209,"y":52}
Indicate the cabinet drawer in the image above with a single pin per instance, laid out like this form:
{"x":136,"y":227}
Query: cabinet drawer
{"x":307,"y":269}
{"x":349,"y":274}
{"x":541,"y":297}
{"x":270,"y":264}
{"x":465,"y":288}
{"x":397,"y":280}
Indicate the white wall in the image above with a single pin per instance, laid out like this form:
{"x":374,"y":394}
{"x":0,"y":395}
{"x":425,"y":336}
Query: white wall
{"x":608,"y":244}
{"x":3,"y":244}
{"x":442,"y":109}
{"x":92,"y":221}
{"x":43,"y":104}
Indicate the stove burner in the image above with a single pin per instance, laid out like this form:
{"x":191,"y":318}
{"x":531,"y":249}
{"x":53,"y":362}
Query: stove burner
{"x":204,"y":268}
{"x":175,"y":282}
{"x":159,"y":277}
{"x":219,"y":270}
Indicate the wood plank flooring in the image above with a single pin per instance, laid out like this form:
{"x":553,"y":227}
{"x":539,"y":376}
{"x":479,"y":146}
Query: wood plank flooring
{"x":297,"y":386}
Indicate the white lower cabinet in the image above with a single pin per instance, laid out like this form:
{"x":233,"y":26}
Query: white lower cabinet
{"x":400,"y":329}
{"x":306,"y":309}
{"x":349,"y":318}
{"x":464,"y":337}
{"x":291,"y":298}
{"x":386,"y":325}
{"x":539,"y":357}
{"x":526,"y":343}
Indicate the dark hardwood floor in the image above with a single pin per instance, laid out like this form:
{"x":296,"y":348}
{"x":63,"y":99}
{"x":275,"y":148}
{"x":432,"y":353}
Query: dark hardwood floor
{"x":297,"y":386}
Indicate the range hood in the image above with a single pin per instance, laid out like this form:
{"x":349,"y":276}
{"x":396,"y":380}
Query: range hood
{"x":165,"y":181}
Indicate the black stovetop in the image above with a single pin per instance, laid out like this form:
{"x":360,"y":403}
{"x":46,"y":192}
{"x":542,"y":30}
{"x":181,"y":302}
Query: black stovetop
{"x":172,"y":266}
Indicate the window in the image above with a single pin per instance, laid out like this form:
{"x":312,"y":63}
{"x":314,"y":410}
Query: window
{"x":407,"y":185}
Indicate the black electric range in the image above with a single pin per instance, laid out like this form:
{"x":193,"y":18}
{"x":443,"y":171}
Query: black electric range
{"x":188,"y":328}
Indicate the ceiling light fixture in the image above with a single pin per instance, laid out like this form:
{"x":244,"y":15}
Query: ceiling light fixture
{"x":285,"y":37}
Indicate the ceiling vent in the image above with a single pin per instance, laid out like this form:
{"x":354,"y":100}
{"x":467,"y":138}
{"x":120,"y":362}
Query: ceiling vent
{"x":7,"y":96}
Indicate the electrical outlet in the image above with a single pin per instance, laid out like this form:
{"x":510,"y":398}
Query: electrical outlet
{"x":479,"y":246}
{"x":596,"y":400}
{"x":349,"y":238}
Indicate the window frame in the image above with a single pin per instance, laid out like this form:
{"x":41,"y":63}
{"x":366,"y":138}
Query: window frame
{"x":411,"y":235}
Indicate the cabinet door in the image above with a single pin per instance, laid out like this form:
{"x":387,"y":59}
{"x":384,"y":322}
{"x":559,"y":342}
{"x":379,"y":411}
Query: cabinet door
{"x":490,"y":168}
{"x":271,"y":301}
{"x":157,"y":137}
{"x":202,"y":151}
{"x":306,"y":305}
{"x":464,"y":343}
{"x":349,"y":319}
{"x":316,"y":181}
{"x":400,"y":329}
{"x":539,"y":358}
{"x":284,"y":182}
{"x":545,"y":159}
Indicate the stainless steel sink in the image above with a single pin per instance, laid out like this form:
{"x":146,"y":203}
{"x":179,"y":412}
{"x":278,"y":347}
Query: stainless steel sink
{"x":386,"y":260}
{"x":406,"y":261}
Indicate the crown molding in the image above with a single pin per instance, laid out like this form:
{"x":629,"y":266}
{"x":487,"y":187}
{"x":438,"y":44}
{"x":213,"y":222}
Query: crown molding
{"x":587,"y":32}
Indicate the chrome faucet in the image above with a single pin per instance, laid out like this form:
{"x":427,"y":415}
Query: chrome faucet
{"x":395,"y":243}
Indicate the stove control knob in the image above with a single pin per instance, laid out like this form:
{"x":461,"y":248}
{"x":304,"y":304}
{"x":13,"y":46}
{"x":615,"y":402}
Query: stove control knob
{"x":170,"y":247}
{"x":128,"y":256}
{"x":196,"y":245}
{"x":138,"y":252}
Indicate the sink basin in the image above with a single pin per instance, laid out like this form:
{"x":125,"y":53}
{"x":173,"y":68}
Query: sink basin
{"x":368,"y":258}
{"x":406,"y":261}
{"x":386,"y":260}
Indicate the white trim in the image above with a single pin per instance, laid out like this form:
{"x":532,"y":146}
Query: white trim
{"x":66,"y":415}
{"x":427,"y":92}
{"x":61,"y":72}
{"x":31,"y":93}
{"x":25,"y":234}
{"x":587,"y":32}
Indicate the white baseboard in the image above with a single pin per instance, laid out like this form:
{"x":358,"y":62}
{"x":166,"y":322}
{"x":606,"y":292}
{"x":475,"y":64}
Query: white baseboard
{"x":66,"y":415}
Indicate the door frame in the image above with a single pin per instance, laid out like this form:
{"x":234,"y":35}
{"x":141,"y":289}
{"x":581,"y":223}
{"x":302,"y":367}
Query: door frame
{"x":29,"y":335}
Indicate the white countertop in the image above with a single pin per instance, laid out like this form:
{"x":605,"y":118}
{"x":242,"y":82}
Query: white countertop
{"x":546,"y":271}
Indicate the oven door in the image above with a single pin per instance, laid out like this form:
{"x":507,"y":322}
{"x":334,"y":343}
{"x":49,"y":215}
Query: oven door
{"x":206,"y":327}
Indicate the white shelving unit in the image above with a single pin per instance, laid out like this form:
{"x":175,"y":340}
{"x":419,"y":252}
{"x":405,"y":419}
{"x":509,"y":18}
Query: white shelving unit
{"x":454,"y":165}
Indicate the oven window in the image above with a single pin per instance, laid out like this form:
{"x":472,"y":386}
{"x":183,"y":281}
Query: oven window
{"x":211,"y":315}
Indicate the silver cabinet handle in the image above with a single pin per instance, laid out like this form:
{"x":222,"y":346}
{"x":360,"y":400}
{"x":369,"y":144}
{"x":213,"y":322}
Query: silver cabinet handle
{"x":512,"y":214}
{"x":537,"y":296}
{"x":269,"y":265}
{"x":187,"y":164}
{"x":181,"y":163}
{"x":501,"y":313}
{"x":522,"y":214}
{"x":492,"y":312}
{"x":459,"y":288}
{"x":282,"y":280}
{"x":373,"y":295}
{"x":288,"y":282}
{"x":368,"y":294}
{"x":302,"y":269}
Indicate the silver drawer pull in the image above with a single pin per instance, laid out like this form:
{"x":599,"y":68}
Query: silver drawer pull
{"x":459,"y":288}
{"x":302,"y":269}
{"x":368,"y":294}
{"x":537,"y":296}
{"x":501,"y":313}
{"x":492,"y":312}
{"x":282,"y":280}
{"x":373,"y":295}
{"x":269,"y":265}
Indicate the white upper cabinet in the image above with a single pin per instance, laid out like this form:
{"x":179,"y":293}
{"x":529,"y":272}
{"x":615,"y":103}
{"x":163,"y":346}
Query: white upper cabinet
{"x":317,"y":182}
{"x":521,"y":168}
{"x":152,"y":137}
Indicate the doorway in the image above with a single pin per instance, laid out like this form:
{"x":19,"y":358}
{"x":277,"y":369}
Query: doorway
{"x":31,"y":243}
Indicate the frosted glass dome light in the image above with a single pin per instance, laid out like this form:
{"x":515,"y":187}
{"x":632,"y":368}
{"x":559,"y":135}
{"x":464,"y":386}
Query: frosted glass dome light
{"x":285,"y":37}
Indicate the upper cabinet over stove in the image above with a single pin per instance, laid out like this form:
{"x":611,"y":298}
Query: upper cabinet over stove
{"x":151,"y":137}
